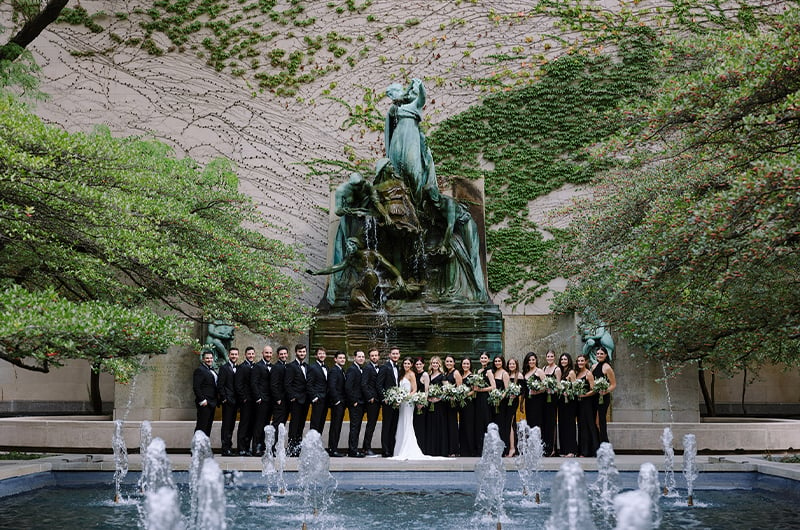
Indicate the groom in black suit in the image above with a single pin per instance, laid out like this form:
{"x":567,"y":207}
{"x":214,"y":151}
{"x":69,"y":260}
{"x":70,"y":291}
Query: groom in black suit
{"x":388,"y":377}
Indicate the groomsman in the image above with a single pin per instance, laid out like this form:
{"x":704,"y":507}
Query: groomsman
{"x":296,"y":374}
{"x":336,"y":401}
{"x":387,"y":378}
{"x":355,"y":402}
{"x":227,"y":396}
{"x":204,"y":384}
{"x":260,"y":383}
{"x":371,"y":395}
{"x":244,"y":396}
{"x":277,"y":390}
{"x":317,"y":390}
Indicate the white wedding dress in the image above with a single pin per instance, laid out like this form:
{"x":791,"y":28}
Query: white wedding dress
{"x":405,"y":441}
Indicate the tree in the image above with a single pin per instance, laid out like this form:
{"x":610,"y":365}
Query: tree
{"x":104,"y":242}
{"x":690,"y":247}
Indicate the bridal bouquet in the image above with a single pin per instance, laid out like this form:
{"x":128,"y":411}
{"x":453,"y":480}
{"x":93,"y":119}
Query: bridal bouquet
{"x":435,"y":391}
{"x":394,"y":396}
{"x":458,"y":395}
{"x":552,"y":386}
{"x":535,"y":384}
{"x":495,"y":398}
{"x":601,"y":384}
{"x":476,"y":380}
{"x":418,"y":400}
{"x":513,"y":391}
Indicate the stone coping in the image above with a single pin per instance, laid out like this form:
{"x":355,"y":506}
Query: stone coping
{"x":631,"y":463}
{"x":79,"y":434}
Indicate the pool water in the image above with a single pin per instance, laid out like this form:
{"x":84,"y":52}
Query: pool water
{"x":395,"y":501}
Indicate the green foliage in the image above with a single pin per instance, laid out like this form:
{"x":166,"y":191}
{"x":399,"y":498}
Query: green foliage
{"x":690,"y":247}
{"x":528,"y":142}
{"x":100,"y":235}
{"x":241,"y":30}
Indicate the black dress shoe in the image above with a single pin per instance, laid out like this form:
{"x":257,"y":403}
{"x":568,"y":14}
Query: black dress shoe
{"x":355,"y":454}
{"x":227,"y":452}
{"x":245,"y":453}
{"x":386,"y":455}
{"x":336,"y":454}
{"x":369,"y":452}
{"x":258,"y":453}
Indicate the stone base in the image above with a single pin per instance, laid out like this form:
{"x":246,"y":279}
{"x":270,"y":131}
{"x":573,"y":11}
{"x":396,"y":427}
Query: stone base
{"x":416,"y":328}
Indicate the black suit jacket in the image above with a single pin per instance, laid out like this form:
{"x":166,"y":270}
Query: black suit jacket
{"x":295,"y":382}
{"x":369,"y":383}
{"x":352,"y":384}
{"x":316,"y":383}
{"x":386,"y":378}
{"x":242,"y":382}
{"x":277,"y":382}
{"x":336,"y":385}
{"x":260,"y":381}
{"x":204,"y":386}
{"x":225,"y":384}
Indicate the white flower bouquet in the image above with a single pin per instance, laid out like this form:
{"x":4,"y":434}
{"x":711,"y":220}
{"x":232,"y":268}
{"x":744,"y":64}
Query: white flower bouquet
{"x":495,"y":398}
{"x":513,"y":391}
{"x":394,"y":396}
{"x":552,"y":386}
{"x":601,"y":384}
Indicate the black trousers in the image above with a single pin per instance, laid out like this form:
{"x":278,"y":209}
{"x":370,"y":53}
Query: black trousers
{"x":244,"y":435}
{"x":318,"y":410}
{"x":205,"y":418}
{"x":335,"y":428}
{"x":356,"y":418}
{"x":262,"y":417}
{"x":389,"y":428}
{"x":372,"y":410}
{"x":297,"y":423}
{"x":228,"y":423}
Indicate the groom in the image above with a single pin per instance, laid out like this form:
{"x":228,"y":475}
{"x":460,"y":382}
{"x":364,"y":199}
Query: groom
{"x":388,"y":377}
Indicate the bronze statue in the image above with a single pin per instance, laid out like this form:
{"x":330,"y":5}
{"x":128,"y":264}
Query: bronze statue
{"x":219,"y":338}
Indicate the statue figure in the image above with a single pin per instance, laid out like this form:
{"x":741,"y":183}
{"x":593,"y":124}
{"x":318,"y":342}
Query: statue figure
{"x":366,"y":280}
{"x":406,"y":146}
{"x":355,"y":201}
{"x":219,"y":338}
{"x":462,"y":277}
{"x":393,"y":195}
{"x":593,"y":338}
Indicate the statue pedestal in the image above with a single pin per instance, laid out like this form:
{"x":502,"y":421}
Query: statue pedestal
{"x":417,"y":328}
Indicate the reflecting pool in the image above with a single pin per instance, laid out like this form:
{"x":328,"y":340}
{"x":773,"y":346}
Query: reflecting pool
{"x":403,"y":500}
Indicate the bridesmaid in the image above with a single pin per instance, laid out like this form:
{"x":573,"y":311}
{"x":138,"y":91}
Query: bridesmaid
{"x":514,"y":376}
{"x":483,"y":411}
{"x":501,"y":415}
{"x":550,"y":406}
{"x":423,"y":381}
{"x":435,"y":430}
{"x":452,"y":376}
{"x":466,"y":416}
{"x":588,"y":437}
{"x":603,"y":369}
{"x":567,"y":412}
{"x":533,"y":404}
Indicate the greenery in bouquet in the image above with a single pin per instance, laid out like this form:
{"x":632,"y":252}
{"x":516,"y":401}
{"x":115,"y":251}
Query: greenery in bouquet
{"x":435,"y":392}
{"x":496,"y":397}
{"x":535,"y":384}
{"x":566,"y":390}
{"x":552,"y":386}
{"x":578,"y":388}
{"x":476,"y":380}
{"x":513,"y":391}
{"x":419,"y":400}
{"x":601,"y":384}
{"x":395,"y":395}
{"x":458,"y":395}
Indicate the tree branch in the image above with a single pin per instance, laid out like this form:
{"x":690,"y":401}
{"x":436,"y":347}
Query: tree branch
{"x":13,"y":48}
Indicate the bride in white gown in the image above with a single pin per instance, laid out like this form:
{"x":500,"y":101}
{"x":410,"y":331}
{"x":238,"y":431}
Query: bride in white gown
{"x":406,"y":447}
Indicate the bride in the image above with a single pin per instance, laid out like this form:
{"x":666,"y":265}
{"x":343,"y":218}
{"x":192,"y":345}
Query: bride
{"x":406,"y":447}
